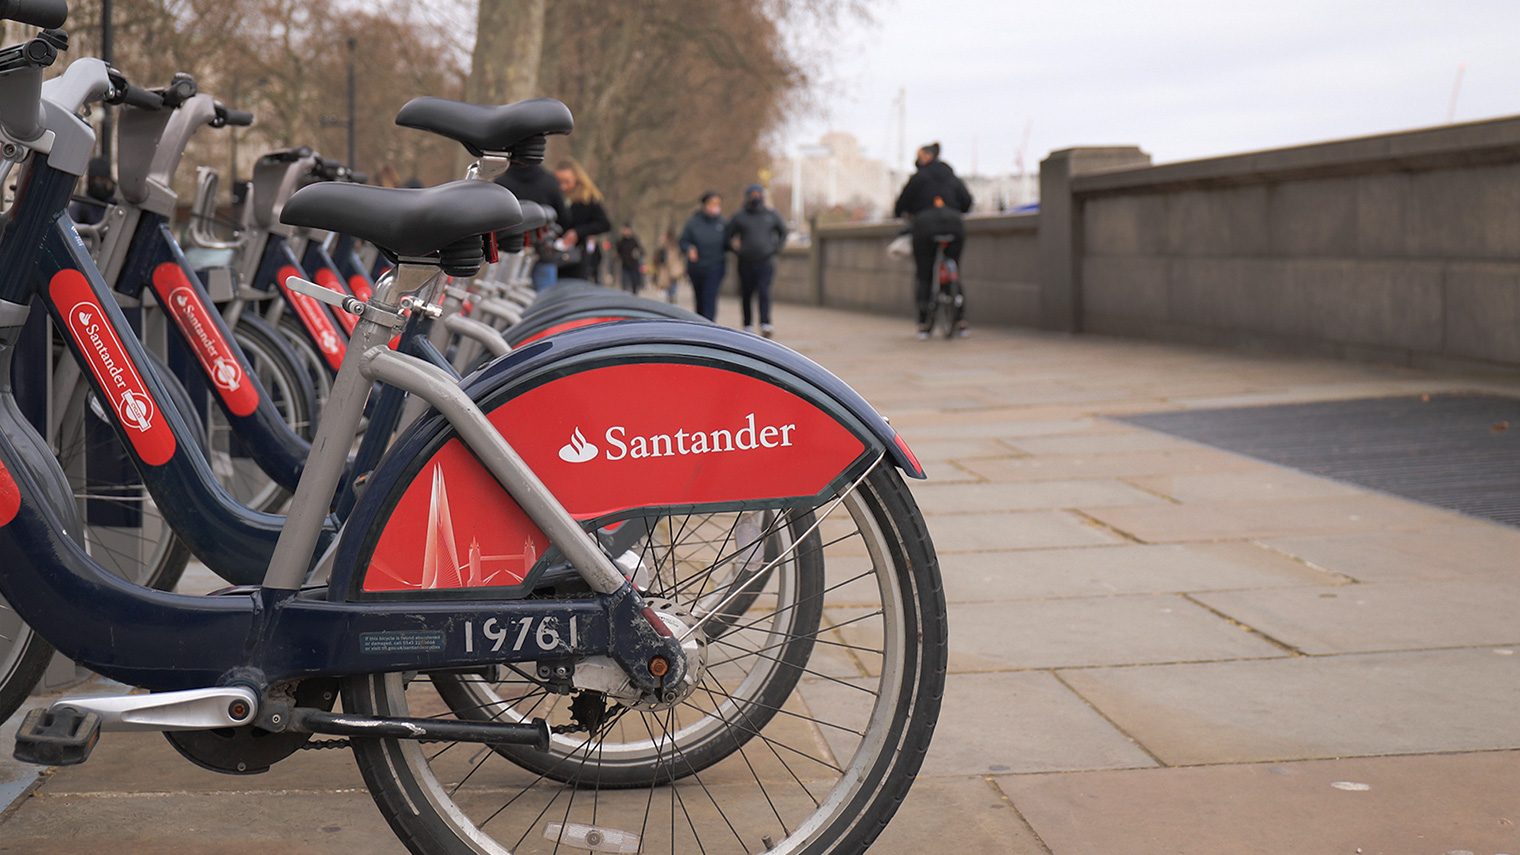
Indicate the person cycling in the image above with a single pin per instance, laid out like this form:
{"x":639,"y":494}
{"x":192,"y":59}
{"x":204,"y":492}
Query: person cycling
{"x":934,"y":199}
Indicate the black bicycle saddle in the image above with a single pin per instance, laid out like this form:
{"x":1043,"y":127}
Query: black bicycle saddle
{"x":482,"y":129}
{"x":407,"y":222}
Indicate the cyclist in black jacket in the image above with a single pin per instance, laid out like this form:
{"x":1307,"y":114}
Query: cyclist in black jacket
{"x":935,"y":199}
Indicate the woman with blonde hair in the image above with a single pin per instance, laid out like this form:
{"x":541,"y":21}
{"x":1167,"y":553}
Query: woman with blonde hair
{"x":586,"y":220}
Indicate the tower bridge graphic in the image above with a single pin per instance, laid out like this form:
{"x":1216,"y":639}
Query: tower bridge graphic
{"x":442,"y":566}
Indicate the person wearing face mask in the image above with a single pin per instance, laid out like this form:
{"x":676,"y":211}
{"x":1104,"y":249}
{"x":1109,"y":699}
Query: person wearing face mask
{"x":100,"y":187}
{"x":702,"y":241}
{"x":755,"y":234}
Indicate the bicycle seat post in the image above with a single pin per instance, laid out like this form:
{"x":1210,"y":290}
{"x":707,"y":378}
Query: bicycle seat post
{"x":336,"y":429}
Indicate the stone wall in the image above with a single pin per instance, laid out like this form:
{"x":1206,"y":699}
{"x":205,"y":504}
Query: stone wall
{"x":1400,"y":248}
{"x":999,"y":270}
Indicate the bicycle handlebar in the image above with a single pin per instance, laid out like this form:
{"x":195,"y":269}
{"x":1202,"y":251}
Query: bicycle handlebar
{"x":47,"y":14}
{"x":143,"y":99}
{"x":227,"y":116}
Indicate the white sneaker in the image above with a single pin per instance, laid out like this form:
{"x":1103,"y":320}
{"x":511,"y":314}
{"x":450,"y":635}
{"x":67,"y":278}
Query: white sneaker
{"x":750,"y":329}
{"x":766,"y":330}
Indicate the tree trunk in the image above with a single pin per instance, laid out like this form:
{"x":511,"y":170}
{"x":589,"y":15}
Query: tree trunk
{"x":509,"y":43}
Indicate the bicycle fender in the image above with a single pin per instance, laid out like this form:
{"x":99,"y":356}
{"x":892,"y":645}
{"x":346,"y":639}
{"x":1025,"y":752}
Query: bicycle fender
{"x":616,"y":419}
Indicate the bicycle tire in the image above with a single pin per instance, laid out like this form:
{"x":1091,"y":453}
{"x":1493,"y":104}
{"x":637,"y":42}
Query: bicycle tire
{"x":24,"y":656}
{"x":310,"y":359}
{"x":288,"y":387}
{"x":149,"y":553}
{"x":950,"y":295}
{"x":824,"y":785}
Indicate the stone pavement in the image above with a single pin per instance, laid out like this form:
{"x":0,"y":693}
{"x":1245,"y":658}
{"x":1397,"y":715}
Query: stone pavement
{"x":1156,"y":647}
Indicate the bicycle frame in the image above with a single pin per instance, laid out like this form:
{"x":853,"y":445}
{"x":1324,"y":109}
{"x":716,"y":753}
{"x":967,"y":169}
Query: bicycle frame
{"x":262,"y":636}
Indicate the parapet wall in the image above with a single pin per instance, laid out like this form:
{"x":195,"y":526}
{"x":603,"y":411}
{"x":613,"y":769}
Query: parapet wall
{"x":1401,"y":248}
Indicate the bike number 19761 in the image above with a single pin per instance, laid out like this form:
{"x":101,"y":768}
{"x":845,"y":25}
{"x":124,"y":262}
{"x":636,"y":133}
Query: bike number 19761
{"x":517,"y":634}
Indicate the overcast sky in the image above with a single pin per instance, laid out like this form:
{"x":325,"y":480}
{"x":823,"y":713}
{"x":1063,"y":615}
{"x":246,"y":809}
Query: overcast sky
{"x":1182,"y":79}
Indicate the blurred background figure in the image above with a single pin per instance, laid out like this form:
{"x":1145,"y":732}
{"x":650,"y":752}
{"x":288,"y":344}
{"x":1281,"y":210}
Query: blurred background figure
{"x":630,"y":259}
{"x":702,"y":241}
{"x":585,"y":220}
{"x":669,"y":265}
{"x":756,"y":233}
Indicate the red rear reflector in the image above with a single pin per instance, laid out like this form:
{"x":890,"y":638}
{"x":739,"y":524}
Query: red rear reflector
{"x":654,"y":621}
{"x":908,"y":452}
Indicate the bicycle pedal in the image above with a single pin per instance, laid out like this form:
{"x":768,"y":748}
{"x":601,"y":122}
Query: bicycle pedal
{"x":61,"y":736}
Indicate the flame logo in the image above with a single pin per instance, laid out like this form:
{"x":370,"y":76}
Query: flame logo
{"x":85,"y":318}
{"x":182,"y":300}
{"x":578,"y":450}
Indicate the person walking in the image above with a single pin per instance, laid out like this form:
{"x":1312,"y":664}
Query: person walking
{"x":669,"y":266}
{"x":630,"y":259}
{"x":587,"y":219}
{"x":533,"y":183}
{"x":936,"y":201}
{"x":702,"y":241}
{"x":756,"y":233}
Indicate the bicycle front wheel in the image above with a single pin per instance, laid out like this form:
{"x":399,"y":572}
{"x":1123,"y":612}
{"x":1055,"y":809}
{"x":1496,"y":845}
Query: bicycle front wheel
{"x":812,"y":715}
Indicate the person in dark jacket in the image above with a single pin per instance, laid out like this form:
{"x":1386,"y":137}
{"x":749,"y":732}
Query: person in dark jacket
{"x":630,"y":259}
{"x":702,"y":241}
{"x":935,"y":199}
{"x":534,"y":183}
{"x":587,"y":219}
{"x":756,"y":233}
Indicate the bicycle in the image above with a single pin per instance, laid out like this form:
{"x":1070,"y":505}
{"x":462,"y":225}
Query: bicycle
{"x":814,"y":697}
{"x":949,"y":300}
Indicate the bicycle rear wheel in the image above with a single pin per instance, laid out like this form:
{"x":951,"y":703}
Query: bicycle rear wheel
{"x":950,"y":298}
{"x":813,"y":713}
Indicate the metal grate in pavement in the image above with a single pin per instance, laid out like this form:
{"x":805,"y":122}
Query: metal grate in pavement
{"x":1455,"y":451}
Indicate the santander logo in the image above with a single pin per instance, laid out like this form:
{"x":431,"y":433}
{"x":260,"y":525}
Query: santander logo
{"x":747,"y":435}
{"x":116,"y":377}
{"x":578,"y":450}
{"x":132,"y":404}
{"x":192,"y":318}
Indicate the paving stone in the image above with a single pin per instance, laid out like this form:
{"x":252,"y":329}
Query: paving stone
{"x":1023,"y":722}
{"x":1314,"y":707}
{"x":1119,"y":569}
{"x":1276,"y":484}
{"x":1063,"y":467}
{"x":1026,"y":530}
{"x":1036,"y":495}
{"x":971,"y":812}
{"x":1090,"y":631}
{"x":1385,"y":616}
{"x":1424,"y":804}
{"x":1230,"y":520}
{"x":245,"y":823}
{"x":1115,"y":443}
{"x":1010,"y":431}
{"x":1463,"y":550}
{"x":938,"y":451}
